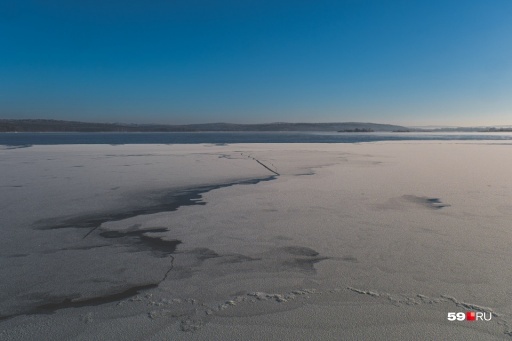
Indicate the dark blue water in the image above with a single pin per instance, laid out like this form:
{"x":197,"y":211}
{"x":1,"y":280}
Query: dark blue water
{"x":26,"y":139}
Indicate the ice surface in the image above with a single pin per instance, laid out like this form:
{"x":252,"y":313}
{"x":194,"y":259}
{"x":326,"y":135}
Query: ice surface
{"x":342,"y":241}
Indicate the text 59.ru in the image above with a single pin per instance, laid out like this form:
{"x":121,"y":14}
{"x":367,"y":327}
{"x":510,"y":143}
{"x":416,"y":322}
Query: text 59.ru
{"x":470,"y":316}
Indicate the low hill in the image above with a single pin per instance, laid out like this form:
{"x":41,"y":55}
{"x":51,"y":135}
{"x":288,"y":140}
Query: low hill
{"x":39,"y":125}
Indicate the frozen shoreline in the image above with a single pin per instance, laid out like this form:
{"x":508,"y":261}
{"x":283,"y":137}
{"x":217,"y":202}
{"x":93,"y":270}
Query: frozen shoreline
{"x":340,"y":235}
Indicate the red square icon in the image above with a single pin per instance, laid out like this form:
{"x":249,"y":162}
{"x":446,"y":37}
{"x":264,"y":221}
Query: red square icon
{"x":470,"y":316}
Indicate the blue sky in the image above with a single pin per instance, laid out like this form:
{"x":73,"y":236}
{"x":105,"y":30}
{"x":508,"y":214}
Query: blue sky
{"x":405,"y":62}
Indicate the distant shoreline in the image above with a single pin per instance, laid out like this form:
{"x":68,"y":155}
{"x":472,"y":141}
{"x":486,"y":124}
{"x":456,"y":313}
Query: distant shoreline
{"x":42,"y":125}
{"x":56,"y":126}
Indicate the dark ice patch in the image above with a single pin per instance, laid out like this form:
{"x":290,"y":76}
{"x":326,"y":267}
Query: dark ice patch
{"x":300,"y":251}
{"x":144,"y":241}
{"x":303,"y":264}
{"x":53,"y":304}
{"x":432,"y":203}
{"x":204,"y":253}
{"x":18,"y":255}
{"x":349,"y":259}
{"x":237,"y":258}
{"x":161,"y":202}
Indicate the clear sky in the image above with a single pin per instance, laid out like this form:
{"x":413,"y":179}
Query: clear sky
{"x":432,"y":62}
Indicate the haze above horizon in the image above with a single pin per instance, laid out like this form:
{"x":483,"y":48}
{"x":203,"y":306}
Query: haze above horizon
{"x":397,"y":62}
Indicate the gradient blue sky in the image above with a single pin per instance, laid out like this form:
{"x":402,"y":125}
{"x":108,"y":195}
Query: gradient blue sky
{"x":405,"y":62}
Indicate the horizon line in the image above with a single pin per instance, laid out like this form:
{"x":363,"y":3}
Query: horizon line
{"x":262,"y":123}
